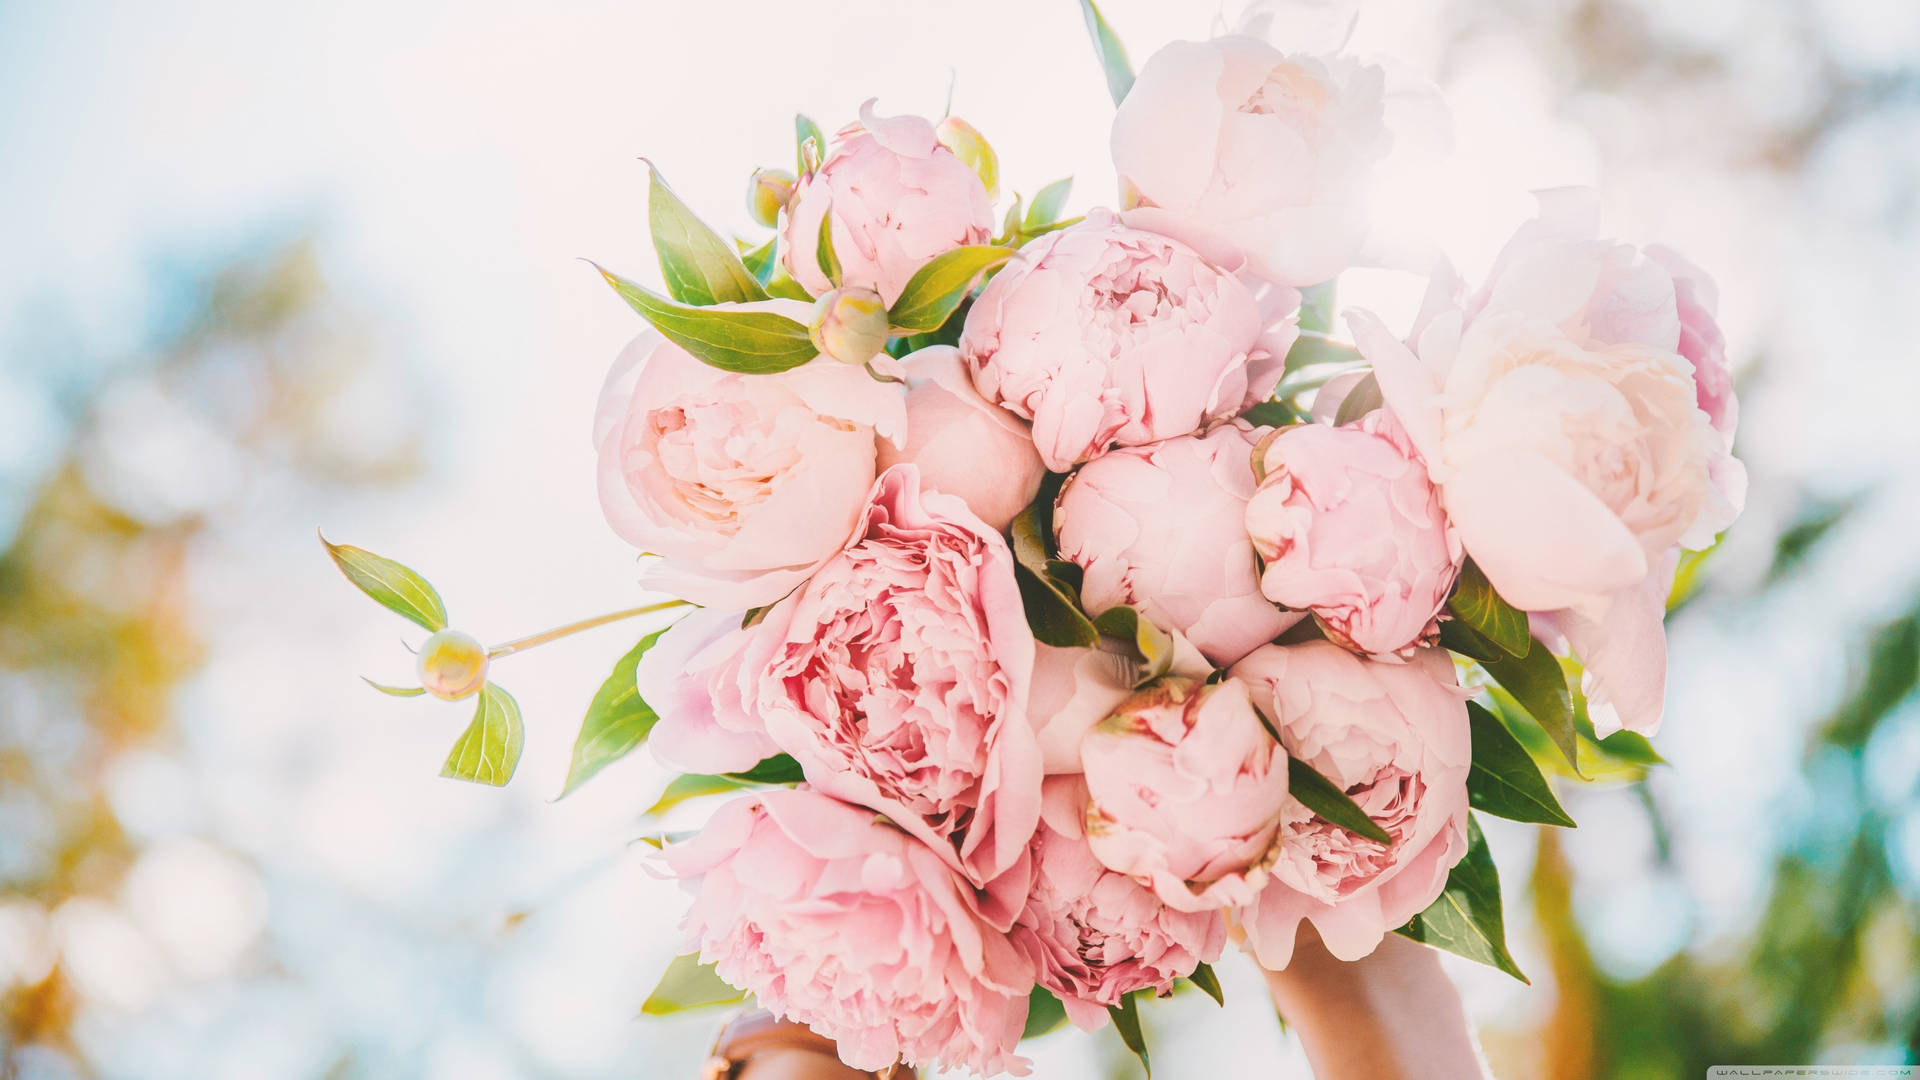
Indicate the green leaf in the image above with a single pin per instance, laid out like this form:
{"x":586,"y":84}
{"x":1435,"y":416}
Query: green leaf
{"x":1152,"y":647}
{"x":391,"y":585}
{"x":1271,"y":414}
{"x":1044,"y":1013}
{"x":489,"y":749}
{"x":1327,"y":801}
{"x":1209,"y":983}
{"x":1466,"y":919}
{"x":1537,"y":682}
{"x":395,"y":691}
{"x":1010,"y":224}
{"x":760,"y":261}
{"x":1505,"y":781}
{"x":778,"y":769}
{"x":1047,"y":205}
{"x":1361,"y":400}
{"x":1316,"y":307}
{"x":1462,"y":639}
{"x":1475,"y":603}
{"x":617,"y":720}
{"x":804,"y":129}
{"x":698,"y":266}
{"x":1317,"y":350}
{"x":1126,"y":1021}
{"x":750,"y":342}
{"x":1107,"y":48}
{"x":936,"y":289}
{"x":689,"y":984}
{"x":823,"y":254}
{"x":1053,"y":607}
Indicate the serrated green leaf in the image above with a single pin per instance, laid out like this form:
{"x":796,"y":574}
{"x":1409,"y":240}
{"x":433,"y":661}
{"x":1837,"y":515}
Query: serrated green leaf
{"x":689,"y":984}
{"x":617,"y":720}
{"x":1108,"y":50}
{"x":1044,"y":1013}
{"x":489,"y":750}
{"x":1047,"y":205}
{"x":391,"y":585}
{"x":935,"y":290}
{"x":1152,"y":647}
{"x":761,"y":261}
{"x":1209,"y":983}
{"x":1361,"y":400}
{"x":804,"y":129}
{"x":1052,"y":605}
{"x":1504,"y":780}
{"x":1475,"y":603}
{"x":1466,"y":920}
{"x":1540,"y":686}
{"x":750,"y":342}
{"x":1328,"y":802}
{"x":1126,"y":1022}
{"x":823,"y":253}
{"x":395,"y":691}
{"x":698,"y":266}
{"x":1316,"y":307}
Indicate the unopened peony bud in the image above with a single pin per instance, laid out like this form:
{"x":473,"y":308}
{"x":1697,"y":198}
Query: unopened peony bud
{"x":767,"y":195}
{"x":973,"y":150}
{"x":849,"y":325}
{"x":452,"y":665}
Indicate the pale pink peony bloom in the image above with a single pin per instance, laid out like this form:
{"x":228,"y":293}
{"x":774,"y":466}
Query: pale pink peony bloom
{"x":742,"y":483}
{"x":1095,"y":935}
{"x":1349,"y":527}
{"x":1697,"y":300}
{"x":897,"y":198}
{"x":1187,"y":787}
{"x":964,"y":444}
{"x":1395,"y":737}
{"x":1234,"y":141}
{"x":897,"y":677}
{"x":1073,"y":689}
{"x":1103,"y":334}
{"x":1565,"y":430}
{"x":830,"y":916}
{"x":1163,"y":527}
{"x":691,"y":678}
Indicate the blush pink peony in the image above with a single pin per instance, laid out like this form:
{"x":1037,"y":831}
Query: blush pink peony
{"x":1095,"y":935}
{"x":691,"y":678}
{"x":1395,"y":738}
{"x":897,"y":677}
{"x":1102,"y":334}
{"x":832,"y":917}
{"x":1186,"y":789}
{"x":1163,"y":527}
{"x":897,"y":199}
{"x":963,"y":444}
{"x":1349,"y":527}
{"x":741,"y":483}
{"x":1233,"y":141}
{"x":1073,"y":689}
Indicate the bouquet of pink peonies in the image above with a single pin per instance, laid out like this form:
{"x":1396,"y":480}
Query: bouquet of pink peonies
{"x":1061,"y":596}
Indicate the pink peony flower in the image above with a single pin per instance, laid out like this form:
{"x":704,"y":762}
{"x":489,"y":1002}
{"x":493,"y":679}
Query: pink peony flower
{"x":832,"y":917}
{"x":1395,"y":738}
{"x":1073,"y":689}
{"x":1187,"y":788}
{"x":1234,"y":141}
{"x":1104,"y":334}
{"x":1564,"y":430}
{"x":963,"y":444}
{"x":1163,"y":527}
{"x":691,"y":678}
{"x":742,"y":483}
{"x":1095,"y":935}
{"x":897,"y":677}
{"x":1350,"y":528}
{"x":1696,"y":299}
{"x":897,"y":197}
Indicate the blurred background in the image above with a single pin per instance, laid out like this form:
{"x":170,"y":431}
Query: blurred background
{"x":273,"y":266}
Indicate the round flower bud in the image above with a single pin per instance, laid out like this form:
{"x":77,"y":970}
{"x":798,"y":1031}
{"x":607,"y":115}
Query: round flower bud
{"x":849,"y":325}
{"x":767,"y":195}
{"x":452,"y":665}
{"x":972,"y":149}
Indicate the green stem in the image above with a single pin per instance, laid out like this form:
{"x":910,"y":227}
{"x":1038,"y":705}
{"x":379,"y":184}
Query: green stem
{"x":525,"y":643}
